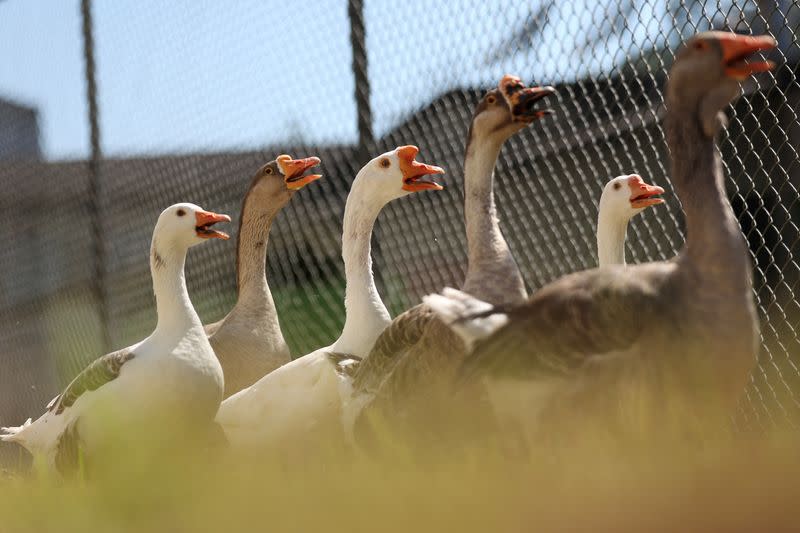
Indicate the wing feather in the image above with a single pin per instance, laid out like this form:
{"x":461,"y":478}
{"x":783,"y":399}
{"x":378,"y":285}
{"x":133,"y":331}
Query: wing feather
{"x":579,"y":316}
{"x":403,"y":333}
{"x":101,"y":371}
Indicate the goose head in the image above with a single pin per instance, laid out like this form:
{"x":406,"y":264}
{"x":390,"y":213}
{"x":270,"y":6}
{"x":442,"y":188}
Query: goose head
{"x":508,"y":109}
{"x":396,"y":174}
{"x":279,"y":179}
{"x":181,"y":226}
{"x":625,"y":196}
{"x":708,"y":70}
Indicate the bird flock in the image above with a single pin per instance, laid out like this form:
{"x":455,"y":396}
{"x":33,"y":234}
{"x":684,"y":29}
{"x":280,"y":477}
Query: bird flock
{"x":642,"y":350}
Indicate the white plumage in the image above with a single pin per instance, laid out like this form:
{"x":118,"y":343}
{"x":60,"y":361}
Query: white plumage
{"x":301,"y":397}
{"x":171,"y":372}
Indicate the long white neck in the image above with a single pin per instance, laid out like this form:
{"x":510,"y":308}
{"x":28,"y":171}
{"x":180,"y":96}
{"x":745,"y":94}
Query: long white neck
{"x":366,"y":316}
{"x":176,"y":315}
{"x":492,"y":273}
{"x":611,"y":230}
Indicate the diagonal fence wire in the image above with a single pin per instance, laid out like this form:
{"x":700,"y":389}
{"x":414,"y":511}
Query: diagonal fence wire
{"x":428,"y":64}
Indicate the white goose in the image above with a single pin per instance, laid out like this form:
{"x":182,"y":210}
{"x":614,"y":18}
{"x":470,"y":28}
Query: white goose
{"x":623,"y":198}
{"x":171,"y":373}
{"x":305,"y":396}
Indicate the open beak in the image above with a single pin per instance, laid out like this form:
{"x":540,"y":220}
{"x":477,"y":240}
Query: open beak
{"x":293,"y":171}
{"x":643,"y":194}
{"x":737,"y":48}
{"x":204,"y":221}
{"x":522,"y":100}
{"x":413,"y":171}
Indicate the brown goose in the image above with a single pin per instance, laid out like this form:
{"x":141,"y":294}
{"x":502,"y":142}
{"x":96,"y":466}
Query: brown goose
{"x":248,"y":341}
{"x":416,"y":335}
{"x":658,"y":347}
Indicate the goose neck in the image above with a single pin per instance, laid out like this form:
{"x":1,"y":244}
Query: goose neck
{"x":714,"y":241}
{"x":175,"y":310}
{"x":251,"y":255}
{"x":611,"y":231}
{"x":492,"y":272}
{"x":366,"y":315}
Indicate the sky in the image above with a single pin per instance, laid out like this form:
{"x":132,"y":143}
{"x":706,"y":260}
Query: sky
{"x":199,"y":75}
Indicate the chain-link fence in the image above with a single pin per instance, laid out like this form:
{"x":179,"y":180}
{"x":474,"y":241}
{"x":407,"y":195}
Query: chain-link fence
{"x":202,"y":95}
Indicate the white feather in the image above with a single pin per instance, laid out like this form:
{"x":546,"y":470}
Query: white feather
{"x":455,"y":308}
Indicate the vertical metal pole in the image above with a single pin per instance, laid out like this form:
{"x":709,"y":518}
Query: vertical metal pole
{"x":366,"y":138}
{"x":355,"y":11}
{"x":93,"y":198}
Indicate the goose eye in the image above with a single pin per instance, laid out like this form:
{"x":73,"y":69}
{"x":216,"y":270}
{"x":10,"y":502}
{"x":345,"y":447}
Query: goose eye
{"x":181,"y":212}
{"x":269,"y":170}
{"x":699,"y":45}
{"x":491,"y":99}
{"x":385,"y":163}
{"x":617,"y":185}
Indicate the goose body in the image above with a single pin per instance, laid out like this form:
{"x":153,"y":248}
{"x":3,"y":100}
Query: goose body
{"x":171,"y":375}
{"x":296,"y":403}
{"x":657,"y":349}
{"x":291,"y":404}
{"x":248,"y":342}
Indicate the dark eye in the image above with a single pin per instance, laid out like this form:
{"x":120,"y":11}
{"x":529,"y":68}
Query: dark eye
{"x":269,"y":170}
{"x":181,"y":212}
{"x":699,"y":45}
{"x":385,"y":163}
{"x":491,"y":99}
{"x":617,"y":185}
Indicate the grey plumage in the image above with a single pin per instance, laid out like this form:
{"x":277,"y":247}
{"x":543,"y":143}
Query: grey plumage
{"x":417,"y":349}
{"x":404,"y":332}
{"x":662,"y":346}
{"x":101,"y":371}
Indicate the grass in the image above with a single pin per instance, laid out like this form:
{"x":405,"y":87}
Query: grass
{"x":749,"y":484}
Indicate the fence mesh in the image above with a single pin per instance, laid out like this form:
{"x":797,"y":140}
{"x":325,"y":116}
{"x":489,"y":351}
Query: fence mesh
{"x":185,"y":118}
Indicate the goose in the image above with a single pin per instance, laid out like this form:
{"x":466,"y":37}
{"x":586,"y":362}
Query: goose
{"x":171,"y":373}
{"x":303,"y":398}
{"x":622,"y":198}
{"x":415,"y":339}
{"x":661,"y":349}
{"x":248,"y":342}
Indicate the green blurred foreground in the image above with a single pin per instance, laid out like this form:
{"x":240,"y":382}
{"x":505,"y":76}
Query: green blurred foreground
{"x":750,"y":484}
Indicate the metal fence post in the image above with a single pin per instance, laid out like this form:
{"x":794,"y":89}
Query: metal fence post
{"x":94,"y":193}
{"x":355,"y":11}
{"x":366,"y":138}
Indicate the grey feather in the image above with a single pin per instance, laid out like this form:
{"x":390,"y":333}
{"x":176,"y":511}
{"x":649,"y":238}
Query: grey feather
{"x":94,"y":376}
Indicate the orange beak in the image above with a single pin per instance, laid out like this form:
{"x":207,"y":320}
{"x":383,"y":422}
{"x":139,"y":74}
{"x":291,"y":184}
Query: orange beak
{"x":735,"y":50}
{"x":642,"y":194}
{"x":522,"y":100}
{"x":204,"y":221}
{"x":293,"y":171}
{"x":413,"y":171}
